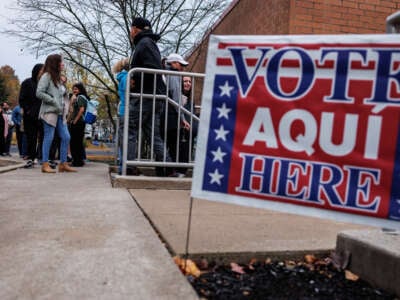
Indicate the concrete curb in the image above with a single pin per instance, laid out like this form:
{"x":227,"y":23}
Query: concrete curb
{"x":146,"y":182}
{"x":12,"y":165}
{"x":374,"y":256}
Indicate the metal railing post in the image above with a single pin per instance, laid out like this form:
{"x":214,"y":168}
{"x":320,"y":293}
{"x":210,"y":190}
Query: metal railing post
{"x":141,"y":96}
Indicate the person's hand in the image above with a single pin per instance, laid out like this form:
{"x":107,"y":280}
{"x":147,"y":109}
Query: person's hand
{"x":186,"y":125}
{"x":132,"y":83}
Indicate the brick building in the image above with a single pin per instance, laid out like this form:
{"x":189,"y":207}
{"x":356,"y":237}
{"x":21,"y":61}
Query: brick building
{"x":280,"y":17}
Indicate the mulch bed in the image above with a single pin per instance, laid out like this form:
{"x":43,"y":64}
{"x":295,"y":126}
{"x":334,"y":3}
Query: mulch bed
{"x":312,"y":279}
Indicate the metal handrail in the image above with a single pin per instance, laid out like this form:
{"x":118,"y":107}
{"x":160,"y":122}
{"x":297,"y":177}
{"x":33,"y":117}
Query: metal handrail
{"x":155,"y":97}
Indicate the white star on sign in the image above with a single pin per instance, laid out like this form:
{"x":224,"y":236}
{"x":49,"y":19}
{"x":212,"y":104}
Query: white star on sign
{"x":216,"y":177}
{"x":218,"y":155}
{"x":223,"y":111}
{"x":221,"y":133}
{"x":225,"y":89}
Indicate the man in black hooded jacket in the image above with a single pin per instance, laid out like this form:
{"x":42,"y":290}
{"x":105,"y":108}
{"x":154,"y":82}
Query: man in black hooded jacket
{"x":31,"y":106}
{"x":146,"y":55}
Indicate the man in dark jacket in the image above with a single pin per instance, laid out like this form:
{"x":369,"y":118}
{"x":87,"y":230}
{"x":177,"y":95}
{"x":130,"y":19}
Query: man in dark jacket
{"x":146,"y":55}
{"x":30,"y":105}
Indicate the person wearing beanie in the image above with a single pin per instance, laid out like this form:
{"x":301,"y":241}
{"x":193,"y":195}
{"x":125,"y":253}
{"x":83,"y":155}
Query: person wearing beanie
{"x":146,"y":54}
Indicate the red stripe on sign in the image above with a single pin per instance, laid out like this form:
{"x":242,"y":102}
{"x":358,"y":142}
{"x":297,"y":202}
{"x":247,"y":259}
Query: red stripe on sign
{"x":358,"y":65}
{"x":394,"y":92}
{"x":224,"y":62}
{"x":328,"y":64}
{"x":304,"y":46}
{"x":290,"y":63}
{"x":251,"y":62}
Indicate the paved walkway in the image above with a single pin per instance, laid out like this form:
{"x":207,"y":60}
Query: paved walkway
{"x":73,"y":236}
{"x":233,"y":232}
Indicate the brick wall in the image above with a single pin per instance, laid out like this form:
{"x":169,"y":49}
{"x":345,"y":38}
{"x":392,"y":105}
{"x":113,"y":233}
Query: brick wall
{"x":340,"y":16}
{"x":247,"y":17}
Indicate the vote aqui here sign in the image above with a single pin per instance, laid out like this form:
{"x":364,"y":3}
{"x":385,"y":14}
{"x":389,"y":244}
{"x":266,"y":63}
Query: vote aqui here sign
{"x":303,"y":124}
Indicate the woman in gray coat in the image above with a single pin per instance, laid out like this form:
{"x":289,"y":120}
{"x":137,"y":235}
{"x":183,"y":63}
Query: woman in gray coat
{"x":53,"y":94}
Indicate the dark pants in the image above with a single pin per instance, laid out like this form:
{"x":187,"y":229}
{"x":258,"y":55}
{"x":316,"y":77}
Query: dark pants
{"x":2,"y":139}
{"x":77,"y":132}
{"x":19,"y":135}
{"x":34,"y":136}
{"x":146,"y":126}
{"x":8,"y":139}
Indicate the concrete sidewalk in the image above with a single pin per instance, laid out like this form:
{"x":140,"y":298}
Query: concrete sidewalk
{"x":235,"y":233}
{"x":73,"y":236}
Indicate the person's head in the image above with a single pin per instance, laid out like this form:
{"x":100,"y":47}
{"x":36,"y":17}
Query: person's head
{"x":6,"y":106}
{"x":186,"y":85}
{"x":79,"y":89}
{"x":164,"y":62}
{"x":176,"y":61}
{"x":139,"y":24}
{"x":120,"y":65}
{"x":53,"y":65}
{"x":36,"y":72}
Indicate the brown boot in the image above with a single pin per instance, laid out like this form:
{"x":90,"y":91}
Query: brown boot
{"x":64,"y":167}
{"x":46,"y":168}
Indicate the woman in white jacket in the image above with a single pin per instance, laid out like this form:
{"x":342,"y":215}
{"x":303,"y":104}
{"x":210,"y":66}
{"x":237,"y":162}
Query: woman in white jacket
{"x":53,"y":93}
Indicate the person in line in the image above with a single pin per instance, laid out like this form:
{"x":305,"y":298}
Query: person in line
{"x":3,"y":130}
{"x":77,"y":124}
{"x":146,"y":55}
{"x":120,"y":70}
{"x":187,"y":145}
{"x":16,"y":115}
{"x":54,"y":96}
{"x":30,"y":104}
{"x":175,"y":62}
{"x":10,"y":125}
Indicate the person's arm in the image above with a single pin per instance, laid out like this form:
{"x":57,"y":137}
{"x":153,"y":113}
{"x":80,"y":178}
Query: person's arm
{"x":43,"y":94}
{"x":81,"y":110}
{"x":15,"y":116}
{"x":23,"y":95}
{"x":176,"y":94}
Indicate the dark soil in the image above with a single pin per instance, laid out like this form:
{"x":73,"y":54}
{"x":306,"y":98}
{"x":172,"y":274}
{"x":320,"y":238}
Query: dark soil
{"x":319,"y":279}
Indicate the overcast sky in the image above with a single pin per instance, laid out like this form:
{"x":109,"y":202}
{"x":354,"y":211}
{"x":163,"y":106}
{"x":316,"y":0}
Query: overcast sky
{"x":11,"y":50}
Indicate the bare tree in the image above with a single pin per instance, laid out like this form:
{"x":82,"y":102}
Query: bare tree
{"x":93,"y":34}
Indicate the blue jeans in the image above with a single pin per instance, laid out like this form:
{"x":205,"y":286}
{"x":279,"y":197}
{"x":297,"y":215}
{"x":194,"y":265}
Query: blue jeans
{"x":62,"y":132}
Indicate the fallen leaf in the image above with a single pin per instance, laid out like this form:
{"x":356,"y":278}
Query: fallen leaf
{"x":309,"y":258}
{"x":236,"y":268}
{"x":251,"y":263}
{"x":350,"y":276}
{"x":187,"y":266}
{"x":290,"y":264}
